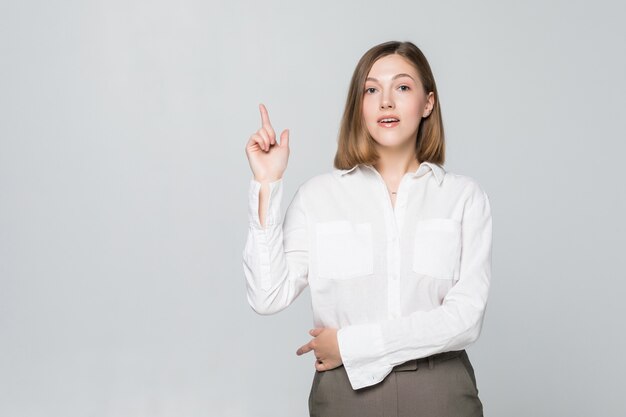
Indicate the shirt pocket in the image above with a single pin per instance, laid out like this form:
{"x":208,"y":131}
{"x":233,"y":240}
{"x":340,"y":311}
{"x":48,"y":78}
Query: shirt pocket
{"x":344,"y":249}
{"x":437,"y":248}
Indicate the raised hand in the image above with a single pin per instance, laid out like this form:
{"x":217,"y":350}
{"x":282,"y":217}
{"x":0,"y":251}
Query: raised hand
{"x":267,"y":158}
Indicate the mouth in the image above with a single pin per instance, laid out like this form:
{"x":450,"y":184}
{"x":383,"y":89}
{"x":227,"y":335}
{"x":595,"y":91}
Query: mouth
{"x":389,"y":121}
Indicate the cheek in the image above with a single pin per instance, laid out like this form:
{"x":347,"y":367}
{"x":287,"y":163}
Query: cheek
{"x":413,"y":106}
{"x":368,"y":112}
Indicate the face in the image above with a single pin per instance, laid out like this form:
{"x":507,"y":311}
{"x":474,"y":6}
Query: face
{"x":393,"y":90}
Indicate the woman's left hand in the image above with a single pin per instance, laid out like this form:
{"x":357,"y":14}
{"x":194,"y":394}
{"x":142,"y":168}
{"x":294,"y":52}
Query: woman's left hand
{"x":325,"y":346}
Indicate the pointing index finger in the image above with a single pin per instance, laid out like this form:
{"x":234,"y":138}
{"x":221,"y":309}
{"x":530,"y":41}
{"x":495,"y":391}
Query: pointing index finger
{"x":265,"y":118}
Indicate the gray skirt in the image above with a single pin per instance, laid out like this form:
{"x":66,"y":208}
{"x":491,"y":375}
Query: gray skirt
{"x":442,"y":385}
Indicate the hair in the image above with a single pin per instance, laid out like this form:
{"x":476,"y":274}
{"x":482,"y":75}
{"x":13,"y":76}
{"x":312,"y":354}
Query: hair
{"x":355,"y":144}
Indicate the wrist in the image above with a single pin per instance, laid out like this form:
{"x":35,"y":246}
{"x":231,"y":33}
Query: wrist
{"x":267,"y":180}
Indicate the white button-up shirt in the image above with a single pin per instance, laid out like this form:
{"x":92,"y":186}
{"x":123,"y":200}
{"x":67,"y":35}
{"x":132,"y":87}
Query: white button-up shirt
{"x":399,"y":283}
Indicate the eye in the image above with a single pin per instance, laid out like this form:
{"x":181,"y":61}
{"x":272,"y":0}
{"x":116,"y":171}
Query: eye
{"x":367,"y":90}
{"x":405,"y":87}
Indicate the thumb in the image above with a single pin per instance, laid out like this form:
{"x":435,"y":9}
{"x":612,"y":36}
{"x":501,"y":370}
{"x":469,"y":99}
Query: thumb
{"x":315,"y":332}
{"x":284,"y":138}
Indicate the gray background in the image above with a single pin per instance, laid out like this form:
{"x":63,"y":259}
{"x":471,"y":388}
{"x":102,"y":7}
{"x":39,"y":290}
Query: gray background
{"x":123,"y":195}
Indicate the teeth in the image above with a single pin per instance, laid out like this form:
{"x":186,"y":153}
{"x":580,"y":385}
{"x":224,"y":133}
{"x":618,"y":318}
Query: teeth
{"x":388,"y":120}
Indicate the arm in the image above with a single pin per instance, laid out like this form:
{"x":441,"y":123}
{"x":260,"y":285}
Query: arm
{"x":370,"y":351}
{"x":275,"y":257}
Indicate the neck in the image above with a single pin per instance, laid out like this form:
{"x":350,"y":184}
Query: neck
{"x":394,"y":165}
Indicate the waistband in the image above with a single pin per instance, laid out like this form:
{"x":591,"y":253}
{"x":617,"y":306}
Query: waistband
{"x":413,"y":364}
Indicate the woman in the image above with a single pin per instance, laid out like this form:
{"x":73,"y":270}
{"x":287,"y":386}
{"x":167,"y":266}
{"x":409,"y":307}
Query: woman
{"x":395,"y":250}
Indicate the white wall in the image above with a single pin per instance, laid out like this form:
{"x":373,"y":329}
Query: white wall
{"x":123,"y":182}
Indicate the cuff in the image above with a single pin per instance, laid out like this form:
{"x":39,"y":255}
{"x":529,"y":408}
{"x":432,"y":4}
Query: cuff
{"x":272,"y":212}
{"x":361,"y":348}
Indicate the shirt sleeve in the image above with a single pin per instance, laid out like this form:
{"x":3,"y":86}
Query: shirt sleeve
{"x":370,"y":351}
{"x":275,"y":257}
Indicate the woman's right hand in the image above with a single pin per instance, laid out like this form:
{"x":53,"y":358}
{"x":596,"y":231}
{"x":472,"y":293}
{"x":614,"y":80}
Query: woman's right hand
{"x":267,"y":158}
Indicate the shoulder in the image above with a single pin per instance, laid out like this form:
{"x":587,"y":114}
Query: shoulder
{"x":318,"y":183}
{"x":467,"y":188}
{"x":461,"y":182}
{"x":474,"y":198}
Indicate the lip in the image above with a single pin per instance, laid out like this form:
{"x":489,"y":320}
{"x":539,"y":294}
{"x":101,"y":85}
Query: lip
{"x":388,"y":125}
{"x":385,"y":125}
{"x":388,"y":116}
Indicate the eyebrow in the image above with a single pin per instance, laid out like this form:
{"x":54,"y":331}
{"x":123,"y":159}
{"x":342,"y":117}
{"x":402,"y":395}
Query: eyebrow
{"x":394,"y":77}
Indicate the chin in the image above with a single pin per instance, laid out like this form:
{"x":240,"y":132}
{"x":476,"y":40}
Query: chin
{"x":391,"y":141}
{"x":390,"y":145}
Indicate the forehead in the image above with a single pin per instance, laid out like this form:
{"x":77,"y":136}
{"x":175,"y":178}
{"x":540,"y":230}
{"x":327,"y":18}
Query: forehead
{"x":390,"y":65}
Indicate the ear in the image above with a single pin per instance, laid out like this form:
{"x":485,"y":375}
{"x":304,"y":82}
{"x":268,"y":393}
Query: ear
{"x":430,"y":104}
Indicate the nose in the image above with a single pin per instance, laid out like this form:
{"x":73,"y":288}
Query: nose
{"x":386,"y":102}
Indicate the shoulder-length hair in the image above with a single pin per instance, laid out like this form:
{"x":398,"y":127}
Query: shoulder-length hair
{"x":355,"y":144}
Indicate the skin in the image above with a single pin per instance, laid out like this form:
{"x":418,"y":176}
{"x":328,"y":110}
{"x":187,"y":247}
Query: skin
{"x":388,"y":92}
{"x":267,"y":158}
{"x":385,"y":93}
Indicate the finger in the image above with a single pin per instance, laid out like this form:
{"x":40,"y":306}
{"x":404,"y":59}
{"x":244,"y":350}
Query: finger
{"x":266,"y":139}
{"x":284,"y":138}
{"x":255,"y":138}
{"x":316,"y":332}
{"x":270,"y":134}
{"x":304,"y":349}
{"x":271,"y":137}
{"x":265,"y":118}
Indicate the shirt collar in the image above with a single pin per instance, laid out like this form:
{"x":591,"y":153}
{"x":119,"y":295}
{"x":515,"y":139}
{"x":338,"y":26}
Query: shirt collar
{"x":438,"y":171}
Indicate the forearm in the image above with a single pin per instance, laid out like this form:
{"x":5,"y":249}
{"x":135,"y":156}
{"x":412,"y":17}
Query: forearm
{"x":369,"y":351}
{"x":276,"y":254}
{"x":264,"y":196}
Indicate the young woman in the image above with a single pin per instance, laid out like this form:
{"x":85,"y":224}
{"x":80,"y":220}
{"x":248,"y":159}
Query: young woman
{"x":396,"y":251}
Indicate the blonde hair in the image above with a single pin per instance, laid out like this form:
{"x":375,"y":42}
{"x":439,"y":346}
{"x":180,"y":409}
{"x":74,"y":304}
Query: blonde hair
{"x":355,"y":144}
